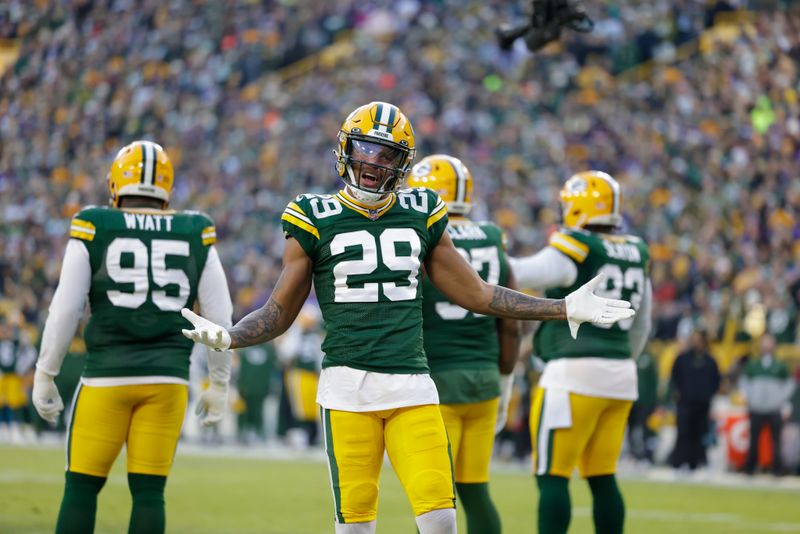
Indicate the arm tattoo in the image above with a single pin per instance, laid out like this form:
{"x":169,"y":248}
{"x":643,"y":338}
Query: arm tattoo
{"x":516,"y":305}
{"x":257,"y":326}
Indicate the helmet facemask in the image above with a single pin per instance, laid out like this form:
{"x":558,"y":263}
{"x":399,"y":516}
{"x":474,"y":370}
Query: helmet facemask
{"x":374,"y":167}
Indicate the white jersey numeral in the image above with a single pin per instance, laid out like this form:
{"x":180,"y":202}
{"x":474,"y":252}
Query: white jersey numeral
{"x":368,"y":264}
{"x":389,"y":240}
{"x":161,"y":248}
{"x":137,"y":273}
{"x":324,"y":206}
{"x":477,"y":257}
{"x":631,"y":278}
{"x":414,"y":199}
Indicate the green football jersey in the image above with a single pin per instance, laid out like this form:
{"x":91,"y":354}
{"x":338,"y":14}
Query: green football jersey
{"x":367,"y":269}
{"x":146,"y":266}
{"x":624,"y":259}
{"x":462,"y":347}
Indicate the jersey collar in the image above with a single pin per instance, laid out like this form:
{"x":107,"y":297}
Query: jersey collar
{"x":149,"y":211}
{"x":371,"y":212}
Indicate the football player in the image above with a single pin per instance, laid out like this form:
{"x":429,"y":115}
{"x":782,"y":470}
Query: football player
{"x":364,"y":249}
{"x":471,"y":356}
{"x":138,"y":263}
{"x":580,"y":409}
{"x":16,"y":361}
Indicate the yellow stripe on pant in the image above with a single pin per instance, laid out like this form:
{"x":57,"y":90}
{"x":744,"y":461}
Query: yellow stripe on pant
{"x":470,"y":428}
{"x":416,"y":441}
{"x":570,"y":430}
{"x":145,"y":417}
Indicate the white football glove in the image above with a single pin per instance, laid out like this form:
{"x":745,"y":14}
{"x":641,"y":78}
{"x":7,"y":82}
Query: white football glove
{"x":211,"y":406}
{"x":206,"y":332}
{"x":45,"y":395}
{"x":584,"y":306}
{"x":506,"y":387}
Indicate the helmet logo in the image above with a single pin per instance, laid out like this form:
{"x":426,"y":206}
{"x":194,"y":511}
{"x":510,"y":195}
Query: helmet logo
{"x":577,"y":186}
{"x":423,"y":169}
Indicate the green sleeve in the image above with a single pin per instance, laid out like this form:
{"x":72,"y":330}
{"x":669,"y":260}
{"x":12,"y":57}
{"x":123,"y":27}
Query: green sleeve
{"x":298,"y":223}
{"x":437,"y":218}
{"x":206,"y":228}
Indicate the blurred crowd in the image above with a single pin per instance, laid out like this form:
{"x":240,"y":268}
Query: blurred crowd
{"x":692,"y":105}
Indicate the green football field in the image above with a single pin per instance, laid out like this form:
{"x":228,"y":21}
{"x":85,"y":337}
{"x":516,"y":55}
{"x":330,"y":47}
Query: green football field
{"x":229,"y":493}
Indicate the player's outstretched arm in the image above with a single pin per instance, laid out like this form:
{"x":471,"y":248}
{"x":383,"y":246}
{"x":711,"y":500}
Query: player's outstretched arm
{"x":456,"y":279}
{"x":270,"y":320}
{"x":459,"y":282}
{"x":508,"y":335}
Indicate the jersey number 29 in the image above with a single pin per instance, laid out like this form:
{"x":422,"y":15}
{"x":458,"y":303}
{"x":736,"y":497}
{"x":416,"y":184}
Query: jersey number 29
{"x":368,"y":264}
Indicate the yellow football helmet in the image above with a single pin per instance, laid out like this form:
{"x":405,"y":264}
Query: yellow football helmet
{"x":141,"y":168}
{"x":591,"y":197}
{"x":375,"y":149}
{"x":449,"y":177}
